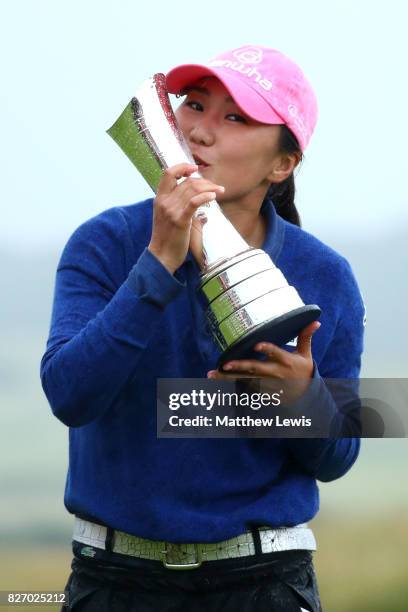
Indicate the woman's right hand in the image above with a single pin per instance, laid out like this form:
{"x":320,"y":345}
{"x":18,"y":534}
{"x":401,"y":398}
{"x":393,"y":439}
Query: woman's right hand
{"x":173,"y":210}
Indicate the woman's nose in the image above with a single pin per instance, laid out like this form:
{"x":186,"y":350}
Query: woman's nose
{"x":202,"y":134}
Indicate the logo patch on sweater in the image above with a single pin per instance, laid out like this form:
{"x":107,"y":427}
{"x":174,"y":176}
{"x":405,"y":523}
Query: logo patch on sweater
{"x":88,"y":551}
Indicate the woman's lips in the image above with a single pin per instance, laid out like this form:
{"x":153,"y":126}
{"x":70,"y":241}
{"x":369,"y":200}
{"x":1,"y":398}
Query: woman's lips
{"x":200,"y":162}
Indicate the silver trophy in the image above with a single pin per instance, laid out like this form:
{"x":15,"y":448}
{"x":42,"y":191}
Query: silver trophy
{"x":247,"y":298}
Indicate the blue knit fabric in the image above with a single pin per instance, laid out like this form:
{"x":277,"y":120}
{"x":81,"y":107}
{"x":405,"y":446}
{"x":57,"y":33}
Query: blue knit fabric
{"x":120,"y":320}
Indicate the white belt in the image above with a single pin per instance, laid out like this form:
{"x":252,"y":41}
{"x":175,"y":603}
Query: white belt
{"x":186,"y":556}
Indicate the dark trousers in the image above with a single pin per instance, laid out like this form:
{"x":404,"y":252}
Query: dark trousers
{"x":279,"y":582}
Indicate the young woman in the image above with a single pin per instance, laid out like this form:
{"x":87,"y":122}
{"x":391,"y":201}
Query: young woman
{"x":230,"y":515}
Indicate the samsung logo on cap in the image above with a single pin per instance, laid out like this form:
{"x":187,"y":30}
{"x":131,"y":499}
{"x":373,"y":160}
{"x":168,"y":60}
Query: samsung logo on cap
{"x":298,"y":121}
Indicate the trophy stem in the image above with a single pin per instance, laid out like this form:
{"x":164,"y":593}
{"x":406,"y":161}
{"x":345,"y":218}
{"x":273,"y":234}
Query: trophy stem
{"x":221,"y":241}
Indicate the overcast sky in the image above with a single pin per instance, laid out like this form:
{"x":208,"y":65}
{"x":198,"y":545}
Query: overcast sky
{"x":70,"y":67}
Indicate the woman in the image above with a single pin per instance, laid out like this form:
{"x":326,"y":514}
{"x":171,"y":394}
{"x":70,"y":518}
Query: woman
{"x":230,"y":515}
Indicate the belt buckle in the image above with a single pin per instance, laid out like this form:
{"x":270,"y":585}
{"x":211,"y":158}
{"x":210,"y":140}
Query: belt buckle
{"x":179,"y":566}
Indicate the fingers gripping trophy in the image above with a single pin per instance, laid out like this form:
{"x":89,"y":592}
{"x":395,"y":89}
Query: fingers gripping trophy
{"x":246,"y":297}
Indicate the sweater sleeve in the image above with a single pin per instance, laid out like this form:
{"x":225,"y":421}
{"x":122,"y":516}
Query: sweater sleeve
{"x":330,"y":458}
{"x":102,"y":318}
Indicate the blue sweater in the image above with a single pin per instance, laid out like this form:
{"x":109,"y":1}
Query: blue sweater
{"x":120,"y":321}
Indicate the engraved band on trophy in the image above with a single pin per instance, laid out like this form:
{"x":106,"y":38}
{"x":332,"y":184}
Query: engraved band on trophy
{"x":247,"y":298}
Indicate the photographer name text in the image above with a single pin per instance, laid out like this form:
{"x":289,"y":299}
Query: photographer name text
{"x":243,"y":421}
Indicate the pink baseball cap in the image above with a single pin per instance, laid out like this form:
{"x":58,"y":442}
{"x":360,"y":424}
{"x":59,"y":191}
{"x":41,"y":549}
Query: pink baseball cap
{"x":267,"y":85}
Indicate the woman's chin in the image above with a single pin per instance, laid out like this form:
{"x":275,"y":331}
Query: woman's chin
{"x":203,"y":170}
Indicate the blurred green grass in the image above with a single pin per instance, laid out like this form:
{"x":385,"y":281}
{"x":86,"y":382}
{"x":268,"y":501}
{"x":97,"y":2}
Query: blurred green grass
{"x":361,"y":565}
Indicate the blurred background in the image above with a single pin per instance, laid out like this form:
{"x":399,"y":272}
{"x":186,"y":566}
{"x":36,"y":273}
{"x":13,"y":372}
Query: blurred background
{"x":69,"y":68}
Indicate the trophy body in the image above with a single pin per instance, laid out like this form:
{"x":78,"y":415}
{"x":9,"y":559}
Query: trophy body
{"x":247,"y":298}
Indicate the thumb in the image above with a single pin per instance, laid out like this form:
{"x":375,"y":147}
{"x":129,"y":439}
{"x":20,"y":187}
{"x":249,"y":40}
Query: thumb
{"x":304,"y":343}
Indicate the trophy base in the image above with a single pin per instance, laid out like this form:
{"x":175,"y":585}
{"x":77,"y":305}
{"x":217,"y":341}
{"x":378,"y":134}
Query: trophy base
{"x":278,"y":331}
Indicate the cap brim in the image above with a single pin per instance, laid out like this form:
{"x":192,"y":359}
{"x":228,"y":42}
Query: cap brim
{"x":246,"y":97}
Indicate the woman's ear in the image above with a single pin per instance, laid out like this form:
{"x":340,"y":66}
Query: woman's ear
{"x":284,"y":166}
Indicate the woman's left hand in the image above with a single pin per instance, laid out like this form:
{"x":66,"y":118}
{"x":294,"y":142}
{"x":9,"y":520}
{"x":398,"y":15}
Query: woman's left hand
{"x":280,"y":364}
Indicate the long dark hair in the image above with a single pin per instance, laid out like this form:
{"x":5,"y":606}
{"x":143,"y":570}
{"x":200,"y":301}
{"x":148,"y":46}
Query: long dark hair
{"x":283,"y":194}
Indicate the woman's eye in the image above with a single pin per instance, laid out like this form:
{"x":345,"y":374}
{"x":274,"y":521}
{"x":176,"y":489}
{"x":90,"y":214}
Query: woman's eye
{"x":238,"y":118}
{"x":194,"y":105}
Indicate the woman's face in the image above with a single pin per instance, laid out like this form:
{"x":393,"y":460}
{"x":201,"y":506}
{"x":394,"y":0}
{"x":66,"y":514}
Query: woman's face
{"x":231,"y":149}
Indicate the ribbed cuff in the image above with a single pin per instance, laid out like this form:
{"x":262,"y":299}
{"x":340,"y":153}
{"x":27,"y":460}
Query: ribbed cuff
{"x":150,"y":280}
